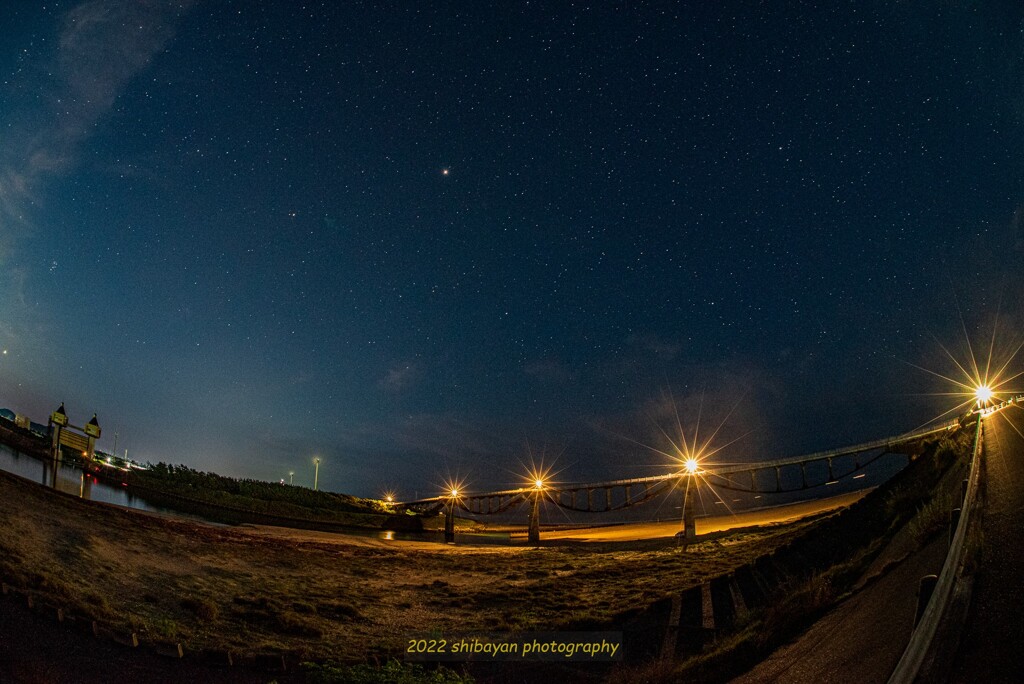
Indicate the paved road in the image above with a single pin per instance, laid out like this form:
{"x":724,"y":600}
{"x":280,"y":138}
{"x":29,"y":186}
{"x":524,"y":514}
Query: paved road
{"x":716,"y":523}
{"x":993,"y":638}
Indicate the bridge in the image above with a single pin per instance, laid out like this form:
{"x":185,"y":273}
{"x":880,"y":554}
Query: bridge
{"x":764,"y":477}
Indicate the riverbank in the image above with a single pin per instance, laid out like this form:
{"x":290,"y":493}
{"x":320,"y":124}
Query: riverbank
{"x":228,"y":500}
{"x":23,"y":440}
{"x":336,"y":597}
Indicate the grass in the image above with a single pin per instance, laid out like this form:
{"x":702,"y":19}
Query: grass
{"x":338,"y":600}
{"x":392,"y":672}
{"x":320,"y":596}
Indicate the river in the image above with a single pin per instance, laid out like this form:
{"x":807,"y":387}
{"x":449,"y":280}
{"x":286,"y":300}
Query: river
{"x":70,"y":480}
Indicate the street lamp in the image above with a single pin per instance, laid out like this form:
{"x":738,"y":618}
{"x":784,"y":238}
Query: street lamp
{"x":316,"y":473}
{"x":449,"y":518}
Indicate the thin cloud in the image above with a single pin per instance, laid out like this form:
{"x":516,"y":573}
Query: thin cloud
{"x":400,"y":377}
{"x":103,"y":44}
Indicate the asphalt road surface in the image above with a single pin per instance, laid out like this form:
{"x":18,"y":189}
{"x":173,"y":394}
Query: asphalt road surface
{"x":993,"y":637}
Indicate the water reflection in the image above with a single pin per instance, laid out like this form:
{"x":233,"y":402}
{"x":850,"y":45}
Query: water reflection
{"x":68,"y":479}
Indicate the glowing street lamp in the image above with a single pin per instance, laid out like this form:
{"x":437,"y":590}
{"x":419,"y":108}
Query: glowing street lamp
{"x":983,"y":393}
{"x":449,"y":518}
{"x":691,"y":465}
{"x":316,"y":473}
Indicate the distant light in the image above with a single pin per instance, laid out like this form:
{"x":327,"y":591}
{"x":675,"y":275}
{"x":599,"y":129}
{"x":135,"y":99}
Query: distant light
{"x":538,"y":483}
{"x":983,"y":394}
{"x":444,"y":172}
{"x":691,"y":465}
{"x":454,"y":493}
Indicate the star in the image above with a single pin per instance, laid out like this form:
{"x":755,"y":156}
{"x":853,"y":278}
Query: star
{"x":445,"y":172}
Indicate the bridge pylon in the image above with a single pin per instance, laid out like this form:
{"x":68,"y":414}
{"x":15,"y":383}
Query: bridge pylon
{"x":449,"y":522}
{"x":690,"y":510}
{"x":533,"y":534}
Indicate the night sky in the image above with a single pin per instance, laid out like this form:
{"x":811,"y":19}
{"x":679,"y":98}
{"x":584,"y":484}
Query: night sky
{"x":423,"y":239}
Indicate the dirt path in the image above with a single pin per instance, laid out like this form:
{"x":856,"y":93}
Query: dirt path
{"x":862,"y":639}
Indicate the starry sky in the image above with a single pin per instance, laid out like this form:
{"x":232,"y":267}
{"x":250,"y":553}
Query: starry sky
{"x":424,"y":239}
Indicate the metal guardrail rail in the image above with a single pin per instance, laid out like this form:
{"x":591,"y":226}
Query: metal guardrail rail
{"x":913,"y":657}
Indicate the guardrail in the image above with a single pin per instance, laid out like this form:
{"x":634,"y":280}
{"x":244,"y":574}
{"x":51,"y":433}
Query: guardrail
{"x":913,"y":657}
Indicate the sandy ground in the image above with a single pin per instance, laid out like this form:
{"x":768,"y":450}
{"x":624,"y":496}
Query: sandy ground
{"x":716,"y":523}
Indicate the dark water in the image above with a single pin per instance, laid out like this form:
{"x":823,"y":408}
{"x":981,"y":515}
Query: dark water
{"x":74,"y":481}
{"x":70,"y":480}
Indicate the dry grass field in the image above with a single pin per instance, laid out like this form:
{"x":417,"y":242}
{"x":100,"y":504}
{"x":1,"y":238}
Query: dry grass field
{"x":322,"y":595}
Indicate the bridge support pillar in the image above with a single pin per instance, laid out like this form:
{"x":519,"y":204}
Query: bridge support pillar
{"x":449,"y":524}
{"x":533,"y":535}
{"x":689,"y":511}
{"x":55,"y":443}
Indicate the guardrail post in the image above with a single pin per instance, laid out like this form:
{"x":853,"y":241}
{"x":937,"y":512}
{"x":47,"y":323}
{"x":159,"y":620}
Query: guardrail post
{"x":925,"y":588}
